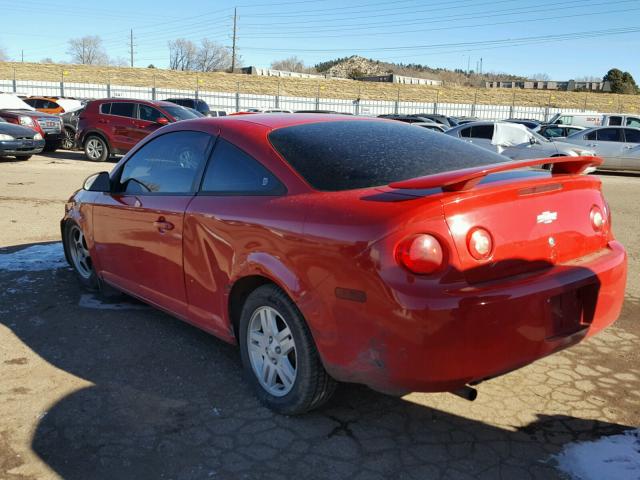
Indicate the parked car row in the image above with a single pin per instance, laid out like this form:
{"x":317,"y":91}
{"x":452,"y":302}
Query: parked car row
{"x":49,"y":127}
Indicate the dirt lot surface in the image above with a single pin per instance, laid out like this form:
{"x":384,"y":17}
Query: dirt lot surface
{"x":97,"y":389}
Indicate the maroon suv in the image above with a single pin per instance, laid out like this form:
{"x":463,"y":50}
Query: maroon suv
{"x":114,"y":125}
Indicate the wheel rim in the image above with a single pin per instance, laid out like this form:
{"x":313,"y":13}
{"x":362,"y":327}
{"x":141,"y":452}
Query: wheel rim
{"x":272,"y":351}
{"x":67,"y":141}
{"x":95,"y":149}
{"x":80,"y":253}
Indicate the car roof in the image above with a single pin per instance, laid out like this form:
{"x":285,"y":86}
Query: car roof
{"x":281,"y":120}
{"x":160,"y":103}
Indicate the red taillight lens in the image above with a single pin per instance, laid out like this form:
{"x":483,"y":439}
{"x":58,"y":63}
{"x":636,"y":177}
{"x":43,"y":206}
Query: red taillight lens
{"x":480,"y":243}
{"x":421,"y":254}
{"x":597,"y":219}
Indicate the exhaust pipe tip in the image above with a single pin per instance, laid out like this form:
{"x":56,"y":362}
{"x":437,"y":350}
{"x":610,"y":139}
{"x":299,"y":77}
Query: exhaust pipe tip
{"x":466,"y":392}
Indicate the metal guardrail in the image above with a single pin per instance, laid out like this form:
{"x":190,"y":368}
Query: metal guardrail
{"x":238,"y":101}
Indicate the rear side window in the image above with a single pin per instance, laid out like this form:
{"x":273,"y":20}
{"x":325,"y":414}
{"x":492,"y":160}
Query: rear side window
{"x":591,"y":135}
{"x":482,"y":131}
{"x":615,"y":121}
{"x":105,"y":108}
{"x":231,"y":171}
{"x":123,"y":109}
{"x":552,"y":132}
{"x":169,"y":164}
{"x":345,"y":155}
{"x":609,"y":135}
{"x":632,"y":136}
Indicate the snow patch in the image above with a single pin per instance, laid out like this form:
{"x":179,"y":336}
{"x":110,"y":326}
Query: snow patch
{"x":34,"y":259}
{"x":616,"y":456}
{"x":91,"y":301}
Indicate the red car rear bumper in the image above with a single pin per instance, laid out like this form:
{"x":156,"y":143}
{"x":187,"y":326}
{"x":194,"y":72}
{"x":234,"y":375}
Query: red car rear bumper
{"x":479,"y":331}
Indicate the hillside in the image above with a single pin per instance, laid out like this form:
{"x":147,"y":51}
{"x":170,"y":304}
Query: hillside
{"x":355,"y":66}
{"x":328,"y":88}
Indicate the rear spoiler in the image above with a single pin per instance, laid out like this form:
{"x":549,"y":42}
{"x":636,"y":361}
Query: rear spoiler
{"x":467,"y":178}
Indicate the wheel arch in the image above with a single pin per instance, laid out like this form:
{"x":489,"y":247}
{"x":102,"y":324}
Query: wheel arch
{"x":240,"y":291}
{"x":96,"y":133}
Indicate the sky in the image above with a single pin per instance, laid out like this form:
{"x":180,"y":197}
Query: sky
{"x":565,"y":40}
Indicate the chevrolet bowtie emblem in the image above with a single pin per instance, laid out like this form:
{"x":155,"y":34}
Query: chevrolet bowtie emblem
{"x":547,"y":217}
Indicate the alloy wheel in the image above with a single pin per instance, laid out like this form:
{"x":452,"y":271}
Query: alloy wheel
{"x":80,"y":253}
{"x":272,"y":351}
{"x":95,"y":149}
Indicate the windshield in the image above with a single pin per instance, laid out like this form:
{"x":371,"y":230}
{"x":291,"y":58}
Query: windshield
{"x":179,"y":113}
{"x":345,"y":155}
{"x":539,"y":137}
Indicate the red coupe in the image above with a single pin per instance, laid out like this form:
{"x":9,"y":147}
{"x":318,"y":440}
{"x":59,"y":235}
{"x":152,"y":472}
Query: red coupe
{"x":334,"y":248}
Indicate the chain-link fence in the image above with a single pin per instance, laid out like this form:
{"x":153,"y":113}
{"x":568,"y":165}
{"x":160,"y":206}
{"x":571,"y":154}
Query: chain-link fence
{"x":238,"y":101}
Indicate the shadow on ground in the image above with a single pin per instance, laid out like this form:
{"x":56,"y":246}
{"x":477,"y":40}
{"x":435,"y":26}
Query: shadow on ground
{"x":169,"y":401}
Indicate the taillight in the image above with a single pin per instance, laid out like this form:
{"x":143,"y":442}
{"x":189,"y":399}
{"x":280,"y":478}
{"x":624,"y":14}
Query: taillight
{"x":421,"y":254}
{"x":597,"y":218}
{"x":479,"y":243}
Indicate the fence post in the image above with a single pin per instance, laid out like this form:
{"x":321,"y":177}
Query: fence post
{"x":277,"y":99}
{"x":396,"y":109}
{"x":109,"y":89}
{"x":15,"y":84}
{"x":153,"y":93}
{"x":435,"y":104}
{"x":238,"y":97}
{"x":356,"y":104}
{"x":513,"y":103}
{"x":475,"y":101}
{"x":318,"y":98}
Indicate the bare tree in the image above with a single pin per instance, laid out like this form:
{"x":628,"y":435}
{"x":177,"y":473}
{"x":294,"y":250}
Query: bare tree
{"x":47,"y":60}
{"x":588,"y":78}
{"x":183,"y":54}
{"x":119,"y":62}
{"x":212,"y":56}
{"x":291,"y":64}
{"x":87,"y":51}
{"x":544,"y":77}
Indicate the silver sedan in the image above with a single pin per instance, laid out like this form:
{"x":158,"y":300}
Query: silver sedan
{"x":618,"y":146}
{"x":514,"y":141}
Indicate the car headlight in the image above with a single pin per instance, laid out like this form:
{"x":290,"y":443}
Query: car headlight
{"x":5,"y":137}
{"x":26,"y":121}
{"x":37,"y":136}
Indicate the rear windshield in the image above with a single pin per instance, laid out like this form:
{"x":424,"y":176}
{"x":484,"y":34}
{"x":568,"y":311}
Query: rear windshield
{"x":346,"y":155}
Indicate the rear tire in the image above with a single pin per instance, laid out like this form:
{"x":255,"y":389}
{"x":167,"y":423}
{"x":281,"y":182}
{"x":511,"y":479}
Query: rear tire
{"x":279,"y":355}
{"x":77,"y":253}
{"x":23,"y":158}
{"x":96,"y":149}
{"x":51,"y":147}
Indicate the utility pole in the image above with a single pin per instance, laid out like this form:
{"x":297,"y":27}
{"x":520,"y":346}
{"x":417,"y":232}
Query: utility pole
{"x":131,"y":48}
{"x":480,"y":65}
{"x":22,"y":53}
{"x":233,"y":48}
{"x":468,"y":63}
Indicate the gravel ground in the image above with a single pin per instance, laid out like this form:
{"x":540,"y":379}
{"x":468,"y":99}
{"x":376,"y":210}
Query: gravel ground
{"x":91,"y":389}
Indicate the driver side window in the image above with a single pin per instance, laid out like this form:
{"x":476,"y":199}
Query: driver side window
{"x":149,"y":114}
{"x":168,"y":164}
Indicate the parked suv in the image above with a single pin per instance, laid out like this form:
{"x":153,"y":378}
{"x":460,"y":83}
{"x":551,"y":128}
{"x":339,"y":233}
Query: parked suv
{"x":15,"y":111}
{"x":195,"y":103}
{"x":114,"y":125}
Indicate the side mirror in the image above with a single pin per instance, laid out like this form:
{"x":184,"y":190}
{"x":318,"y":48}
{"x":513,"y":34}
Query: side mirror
{"x":98,"y":182}
{"x":162,"y":121}
{"x":533,"y":140}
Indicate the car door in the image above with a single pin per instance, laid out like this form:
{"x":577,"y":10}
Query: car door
{"x":138,"y":226}
{"x":608,"y":144}
{"x":237,"y":204}
{"x":122,"y":118}
{"x":631,"y":153}
{"x":632,"y":122}
{"x":149,"y":119}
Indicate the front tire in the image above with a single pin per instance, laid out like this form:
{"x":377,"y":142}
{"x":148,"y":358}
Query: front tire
{"x":279,"y":356}
{"x":96,"y":149}
{"x":77,"y":252}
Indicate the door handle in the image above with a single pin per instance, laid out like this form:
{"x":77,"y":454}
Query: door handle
{"x":162,"y":225}
{"x":629,"y":147}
